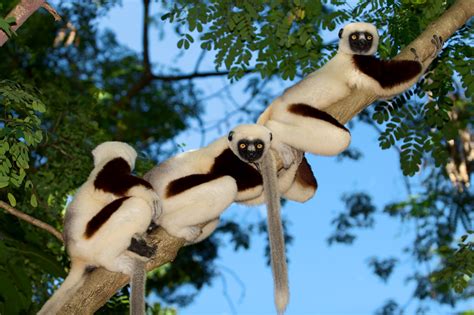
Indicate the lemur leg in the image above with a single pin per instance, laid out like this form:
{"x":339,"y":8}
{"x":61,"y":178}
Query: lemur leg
{"x":312,"y":135}
{"x":304,"y":185}
{"x":207,"y":230}
{"x":197,"y":205}
{"x":113,"y":238}
{"x":151,"y":197}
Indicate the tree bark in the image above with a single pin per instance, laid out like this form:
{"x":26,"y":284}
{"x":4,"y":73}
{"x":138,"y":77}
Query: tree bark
{"x":101,"y":284}
{"x":21,"y":13}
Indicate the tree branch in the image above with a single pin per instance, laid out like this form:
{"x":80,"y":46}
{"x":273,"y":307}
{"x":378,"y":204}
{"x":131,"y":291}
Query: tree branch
{"x":23,"y":11}
{"x":146,"y":21}
{"x":101,"y":284}
{"x":195,"y":75}
{"x":148,"y":77}
{"x":31,"y":220}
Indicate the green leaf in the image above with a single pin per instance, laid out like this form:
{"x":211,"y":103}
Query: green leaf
{"x":11,"y":199}
{"x":33,"y":201}
{"x":10,"y":20}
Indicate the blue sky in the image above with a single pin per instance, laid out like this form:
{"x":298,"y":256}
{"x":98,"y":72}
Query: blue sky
{"x":323,"y":280}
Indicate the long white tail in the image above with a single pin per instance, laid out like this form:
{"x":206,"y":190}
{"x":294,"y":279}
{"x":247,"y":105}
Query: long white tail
{"x":72,"y":282}
{"x":137,"y":283}
{"x":275,"y":232}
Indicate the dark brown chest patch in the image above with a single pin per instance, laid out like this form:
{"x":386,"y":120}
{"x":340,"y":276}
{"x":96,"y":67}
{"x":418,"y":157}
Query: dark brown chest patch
{"x":103,"y":216}
{"x":115,"y":178}
{"x":309,"y":111}
{"x":305,"y":176}
{"x":225,"y":164}
{"x":387,"y":73}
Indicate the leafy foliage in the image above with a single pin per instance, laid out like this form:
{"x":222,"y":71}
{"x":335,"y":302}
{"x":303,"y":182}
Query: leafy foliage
{"x":459,"y":265}
{"x":271,"y":35}
{"x":20,"y":133}
{"x":360,"y":215}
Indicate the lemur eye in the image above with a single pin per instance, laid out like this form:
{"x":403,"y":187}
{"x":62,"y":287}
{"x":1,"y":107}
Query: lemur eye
{"x":354,"y":36}
{"x":242,"y":145}
{"x":369,"y":37}
{"x":259,"y":146}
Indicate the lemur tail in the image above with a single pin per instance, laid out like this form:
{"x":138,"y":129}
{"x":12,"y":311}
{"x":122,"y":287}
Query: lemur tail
{"x":275,"y":232}
{"x":137,"y":283}
{"x":72,"y":282}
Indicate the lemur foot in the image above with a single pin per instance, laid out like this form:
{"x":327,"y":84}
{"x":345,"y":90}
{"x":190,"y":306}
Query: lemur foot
{"x":437,"y":41}
{"x":287,"y":154}
{"x":189,"y":233}
{"x":140,"y":247}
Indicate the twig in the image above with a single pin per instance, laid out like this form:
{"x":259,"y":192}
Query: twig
{"x":31,"y":220}
{"x":52,"y":11}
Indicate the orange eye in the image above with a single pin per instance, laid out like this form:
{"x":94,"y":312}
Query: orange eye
{"x":259,"y":146}
{"x":354,"y":36}
{"x":369,"y":37}
{"x":242,"y":145}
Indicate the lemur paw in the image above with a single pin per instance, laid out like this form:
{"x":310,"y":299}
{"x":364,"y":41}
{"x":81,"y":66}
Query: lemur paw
{"x":189,"y":233}
{"x":287,"y":154}
{"x":437,"y":41}
{"x":140,"y":247}
{"x":416,"y":57}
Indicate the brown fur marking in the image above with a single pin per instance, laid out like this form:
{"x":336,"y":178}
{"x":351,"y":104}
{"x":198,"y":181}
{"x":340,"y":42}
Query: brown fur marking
{"x":225,"y":164}
{"x":387,"y":73}
{"x":100,"y":218}
{"x":115,"y":178}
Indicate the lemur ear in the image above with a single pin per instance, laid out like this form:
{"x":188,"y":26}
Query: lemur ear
{"x":271,"y":136}
{"x":340,"y":32}
{"x":229,"y":137}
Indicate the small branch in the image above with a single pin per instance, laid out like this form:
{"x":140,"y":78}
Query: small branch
{"x":195,"y":75}
{"x":146,"y":20}
{"x":147,"y":78}
{"x":31,"y":220}
{"x":52,"y":11}
{"x":23,"y":11}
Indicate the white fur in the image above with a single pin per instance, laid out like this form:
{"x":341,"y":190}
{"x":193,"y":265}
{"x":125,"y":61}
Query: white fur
{"x":322,"y":89}
{"x":205,"y":203}
{"x":108,"y":246}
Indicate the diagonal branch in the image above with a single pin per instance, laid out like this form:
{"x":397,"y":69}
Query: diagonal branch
{"x":31,"y":220}
{"x":101,"y":284}
{"x":22,"y":11}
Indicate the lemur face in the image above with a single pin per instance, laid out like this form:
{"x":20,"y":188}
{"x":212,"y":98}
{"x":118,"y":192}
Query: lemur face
{"x":358,"y":39}
{"x":360,"y":42}
{"x":251,"y":150}
{"x":250,"y":142}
